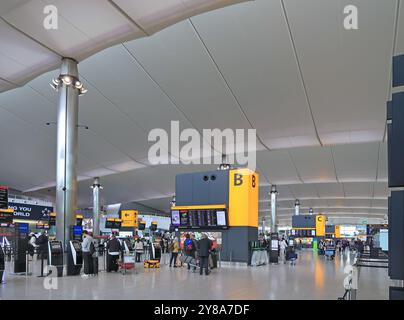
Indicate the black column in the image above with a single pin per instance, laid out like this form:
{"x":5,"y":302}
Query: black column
{"x":395,"y":131}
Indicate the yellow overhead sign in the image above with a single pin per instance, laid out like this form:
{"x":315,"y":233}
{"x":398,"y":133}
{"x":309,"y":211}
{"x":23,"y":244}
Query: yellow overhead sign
{"x":320,"y":225}
{"x":129,"y":218}
{"x":243,"y":198}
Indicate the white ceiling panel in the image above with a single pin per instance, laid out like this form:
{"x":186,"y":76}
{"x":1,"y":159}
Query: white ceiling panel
{"x":358,"y":189}
{"x":356,"y":162}
{"x":125,"y":84}
{"x":80,"y":32}
{"x":277,"y":167}
{"x":304,"y":191}
{"x":21,"y":143}
{"x":107,"y":121}
{"x":162,"y":204}
{"x":153,"y":16}
{"x":349,"y":203}
{"x":22,"y":58}
{"x":379,"y":204}
{"x":346,"y":82}
{"x":196,"y":88}
{"x":382,"y":173}
{"x":314,"y":164}
{"x":330,"y":190}
{"x":381,"y":190}
{"x":250,"y":43}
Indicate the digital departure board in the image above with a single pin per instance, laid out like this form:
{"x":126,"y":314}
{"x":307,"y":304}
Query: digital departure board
{"x":3,"y":197}
{"x":199,"y":218}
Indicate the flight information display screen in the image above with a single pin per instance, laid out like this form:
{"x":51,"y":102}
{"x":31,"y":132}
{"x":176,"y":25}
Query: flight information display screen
{"x":199,"y":219}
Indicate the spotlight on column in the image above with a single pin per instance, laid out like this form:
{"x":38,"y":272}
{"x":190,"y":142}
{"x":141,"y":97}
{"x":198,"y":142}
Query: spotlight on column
{"x":67,"y":80}
{"x":311,"y":211}
{"x":78,"y":84}
{"x":224,"y":165}
{"x":82,"y":91}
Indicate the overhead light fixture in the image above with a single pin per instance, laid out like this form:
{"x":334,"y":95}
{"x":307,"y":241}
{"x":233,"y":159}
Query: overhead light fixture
{"x":68,"y":80}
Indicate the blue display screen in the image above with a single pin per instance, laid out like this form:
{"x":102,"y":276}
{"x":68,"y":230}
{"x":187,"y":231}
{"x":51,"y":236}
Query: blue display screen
{"x":77,"y":230}
{"x":23,"y":227}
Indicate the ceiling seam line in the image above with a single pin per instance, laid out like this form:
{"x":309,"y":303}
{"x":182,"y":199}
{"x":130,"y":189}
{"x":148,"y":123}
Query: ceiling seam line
{"x":226,"y":82}
{"x":300,"y":71}
{"x":294,"y":165}
{"x":333,"y":163}
{"x":32,"y":38}
{"x":133,"y":21}
{"x":175,"y":105}
{"x":10,"y":82}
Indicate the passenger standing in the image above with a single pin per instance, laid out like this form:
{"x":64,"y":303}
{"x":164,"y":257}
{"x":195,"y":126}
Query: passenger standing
{"x":138,"y":249}
{"x":282,"y":248}
{"x":205,"y":245}
{"x":113,"y":251}
{"x":175,"y":247}
{"x":87,"y":254}
{"x":32,"y":244}
{"x":42,"y":243}
{"x":190,"y":249}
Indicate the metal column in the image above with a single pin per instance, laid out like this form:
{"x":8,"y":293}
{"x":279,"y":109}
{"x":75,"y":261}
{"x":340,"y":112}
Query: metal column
{"x":69,"y":88}
{"x":297,"y":207}
{"x":96,"y":206}
{"x":273,"y":194}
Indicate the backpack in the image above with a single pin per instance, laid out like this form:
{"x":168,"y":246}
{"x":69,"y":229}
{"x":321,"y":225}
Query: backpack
{"x":92,"y":248}
{"x":189,"y":245}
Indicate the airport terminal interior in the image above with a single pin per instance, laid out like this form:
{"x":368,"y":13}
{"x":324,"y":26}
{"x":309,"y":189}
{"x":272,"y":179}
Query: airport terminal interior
{"x":210,"y":149}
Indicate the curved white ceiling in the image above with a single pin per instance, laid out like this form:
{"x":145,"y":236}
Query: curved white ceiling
{"x":315,"y":93}
{"x":84,"y":28}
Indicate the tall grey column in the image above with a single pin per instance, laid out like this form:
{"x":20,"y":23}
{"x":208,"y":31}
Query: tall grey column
{"x":69,"y":88}
{"x":297,"y":207}
{"x":96,"y":206}
{"x":273,"y":194}
{"x":263,"y":225}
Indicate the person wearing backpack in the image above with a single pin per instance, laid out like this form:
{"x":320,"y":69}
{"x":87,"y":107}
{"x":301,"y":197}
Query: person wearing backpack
{"x":190,"y":249}
{"x":86,"y":247}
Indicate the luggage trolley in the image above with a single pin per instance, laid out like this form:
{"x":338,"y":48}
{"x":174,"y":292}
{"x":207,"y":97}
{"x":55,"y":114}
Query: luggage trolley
{"x":127,"y":262}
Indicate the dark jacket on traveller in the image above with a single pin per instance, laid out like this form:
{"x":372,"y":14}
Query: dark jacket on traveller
{"x":113,"y":245}
{"x":204,"y":247}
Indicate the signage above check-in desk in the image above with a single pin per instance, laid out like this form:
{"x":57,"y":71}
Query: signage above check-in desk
{"x":27,"y":211}
{"x":199,"y":217}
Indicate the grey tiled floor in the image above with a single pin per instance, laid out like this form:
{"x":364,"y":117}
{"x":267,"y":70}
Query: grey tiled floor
{"x":312,"y":278}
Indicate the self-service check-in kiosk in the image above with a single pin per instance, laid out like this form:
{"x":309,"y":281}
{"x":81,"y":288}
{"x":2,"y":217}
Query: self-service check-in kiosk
{"x":55,"y":256}
{"x":21,"y":247}
{"x":75,"y":258}
{"x":74,"y":253}
{"x":274,"y":248}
